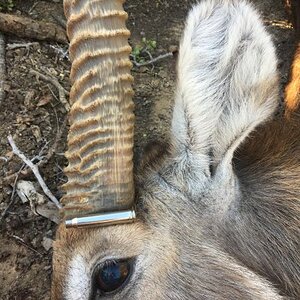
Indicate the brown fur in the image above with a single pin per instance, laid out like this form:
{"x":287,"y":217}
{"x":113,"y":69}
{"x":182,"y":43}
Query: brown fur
{"x":292,"y":91}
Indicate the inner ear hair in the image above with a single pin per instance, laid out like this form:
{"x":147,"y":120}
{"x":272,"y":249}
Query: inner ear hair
{"x":227,"y":82}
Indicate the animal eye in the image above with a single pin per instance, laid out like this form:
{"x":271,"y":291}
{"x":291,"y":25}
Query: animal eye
{"x":112,"y":275}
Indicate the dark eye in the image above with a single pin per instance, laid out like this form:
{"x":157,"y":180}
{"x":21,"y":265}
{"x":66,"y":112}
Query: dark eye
{"x":112,"y":274}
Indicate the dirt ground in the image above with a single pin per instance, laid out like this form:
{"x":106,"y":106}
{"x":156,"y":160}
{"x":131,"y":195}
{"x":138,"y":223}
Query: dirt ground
{"x":32,"y":113}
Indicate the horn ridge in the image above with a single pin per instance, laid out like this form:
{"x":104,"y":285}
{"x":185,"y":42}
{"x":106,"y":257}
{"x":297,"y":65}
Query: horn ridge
{"x":100,"y":140}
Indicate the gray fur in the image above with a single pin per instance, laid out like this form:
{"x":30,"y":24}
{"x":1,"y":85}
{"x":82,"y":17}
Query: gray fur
{"x":218,"y":213}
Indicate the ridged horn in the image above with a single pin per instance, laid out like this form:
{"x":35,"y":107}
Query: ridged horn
{"x":100,"y":139}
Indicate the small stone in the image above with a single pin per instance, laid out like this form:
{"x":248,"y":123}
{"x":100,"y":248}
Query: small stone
{"x":6,"y":87}
{"x":28,"y":98}
{"x":163,"y":74}
{"x":47,"y":243}
{"x":143,"y":69}
{"x":35,"y":242}
{"x":155,"y":83}
{"x":173,"y":48}
{"x":24,"y":189}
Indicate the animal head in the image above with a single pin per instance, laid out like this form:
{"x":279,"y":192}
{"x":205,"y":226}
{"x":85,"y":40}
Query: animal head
{"x":186,"y":190}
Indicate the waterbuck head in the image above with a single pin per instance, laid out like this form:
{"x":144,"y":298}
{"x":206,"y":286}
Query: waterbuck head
{"x":204,"y":227}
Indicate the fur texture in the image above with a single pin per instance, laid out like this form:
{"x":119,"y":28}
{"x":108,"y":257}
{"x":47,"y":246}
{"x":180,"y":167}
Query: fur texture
{"x":218,"y":214}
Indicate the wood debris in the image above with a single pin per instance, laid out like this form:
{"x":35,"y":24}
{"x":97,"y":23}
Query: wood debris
{"x":28,"y":28}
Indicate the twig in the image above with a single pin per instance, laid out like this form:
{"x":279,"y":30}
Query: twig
{"x":56,"y":141}
{"x":20,"y":45}
{"x":52,"y":150}
{"x":149,"y":54}
{"x":61,"y":91}
{"x":40,"y":156}
{"x":2,"y":67}
{"x":151,"y":61}
{"x":12,"y":197}
{"x":60,"y":20}
{"x":33,"y":7}
{"x":20,"y":240}
{"x":63,"y":53}
{"x":35,"y":171}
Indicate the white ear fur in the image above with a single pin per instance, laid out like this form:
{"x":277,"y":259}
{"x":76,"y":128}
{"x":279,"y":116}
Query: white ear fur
{"x":227,"y":80}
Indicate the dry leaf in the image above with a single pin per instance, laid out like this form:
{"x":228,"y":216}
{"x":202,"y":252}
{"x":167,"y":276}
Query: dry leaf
{"x":36,"y":131}
{"x":49,"y":211}
{"x":38,"y":203}
{"x":45,"y":100}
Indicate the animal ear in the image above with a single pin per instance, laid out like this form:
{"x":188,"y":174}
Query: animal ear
{"x":227,"y":81}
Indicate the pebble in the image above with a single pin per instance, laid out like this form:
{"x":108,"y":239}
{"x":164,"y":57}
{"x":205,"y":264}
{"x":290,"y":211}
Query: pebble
{"x":173,"y":48}
{"x":47,"y":243}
